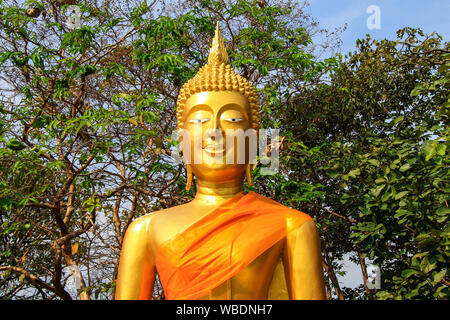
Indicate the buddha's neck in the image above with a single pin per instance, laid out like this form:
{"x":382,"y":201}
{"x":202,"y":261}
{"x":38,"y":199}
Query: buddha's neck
{"x":215,"y":194}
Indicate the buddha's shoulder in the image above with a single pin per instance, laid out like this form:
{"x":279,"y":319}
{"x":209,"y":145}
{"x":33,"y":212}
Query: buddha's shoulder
{"x":290,"y":213}
{"x":158,"y":216}
{"x":296,"y":219}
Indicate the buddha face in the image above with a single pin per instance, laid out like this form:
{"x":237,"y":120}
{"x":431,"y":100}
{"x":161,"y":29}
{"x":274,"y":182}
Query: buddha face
{"x":207,"y":117}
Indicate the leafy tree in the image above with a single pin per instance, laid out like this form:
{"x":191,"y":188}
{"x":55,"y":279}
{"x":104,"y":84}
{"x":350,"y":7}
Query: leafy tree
{"x":367,"y":154}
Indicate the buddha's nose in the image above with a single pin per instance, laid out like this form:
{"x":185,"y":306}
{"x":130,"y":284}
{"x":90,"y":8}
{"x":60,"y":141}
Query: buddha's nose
{"x":214,"y":134}
{"x":216,"y":124}
{"x":213,"y":137}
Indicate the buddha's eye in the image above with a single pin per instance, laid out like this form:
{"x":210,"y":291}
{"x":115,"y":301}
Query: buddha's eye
{"x":198,"y":121}
{"x":233,"y":119}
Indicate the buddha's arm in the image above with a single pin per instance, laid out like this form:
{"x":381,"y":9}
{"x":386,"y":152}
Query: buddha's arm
{"x":136,"y":267}
{"x":303,"y":264}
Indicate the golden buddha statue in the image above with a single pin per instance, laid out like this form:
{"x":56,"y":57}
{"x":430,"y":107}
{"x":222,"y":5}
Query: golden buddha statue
{"x":224,"y":244}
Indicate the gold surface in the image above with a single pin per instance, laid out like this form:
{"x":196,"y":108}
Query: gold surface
{"x":290,"y":269}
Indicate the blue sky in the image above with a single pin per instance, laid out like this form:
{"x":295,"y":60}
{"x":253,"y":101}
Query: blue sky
{"x":430,"y":16}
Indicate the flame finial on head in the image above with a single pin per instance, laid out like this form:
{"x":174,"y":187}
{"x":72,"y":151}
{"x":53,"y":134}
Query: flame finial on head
{"x":218,"y":54}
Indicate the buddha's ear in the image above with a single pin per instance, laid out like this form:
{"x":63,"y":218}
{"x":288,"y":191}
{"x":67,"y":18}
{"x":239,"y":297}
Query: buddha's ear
{"x":248,"y":174}
{"x":180,"y":143}
{"x":253,"y":165}
{"x":188,"y":177}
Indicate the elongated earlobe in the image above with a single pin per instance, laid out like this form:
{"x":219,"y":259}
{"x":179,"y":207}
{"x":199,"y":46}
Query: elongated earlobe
{"x":248,"y":173}
{"x":189,"y":177}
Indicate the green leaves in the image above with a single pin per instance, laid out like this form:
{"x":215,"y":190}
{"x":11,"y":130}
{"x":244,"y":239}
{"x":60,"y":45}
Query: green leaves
{"x":15,"y":145}
{"x":409,"y":272}
{"x":401,"y":195}
{"x":62,"y":88}
{"x":354,"y":173}
{"x":439,"y":276}
{"x":375,"y":192}
{"x":405,"y":167}
{"x":429,"y":149}
{"x":87,"y":70}
{"x":428,"y":264}
{"x":384,"y":164}
{"x":425,"y":239}
{"x":443,"y":212}
{"x":79,"y":40}
{"x":383,"y":295}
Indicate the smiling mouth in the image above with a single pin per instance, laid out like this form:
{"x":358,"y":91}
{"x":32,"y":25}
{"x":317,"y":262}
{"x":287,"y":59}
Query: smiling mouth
{"x":214,"y":150}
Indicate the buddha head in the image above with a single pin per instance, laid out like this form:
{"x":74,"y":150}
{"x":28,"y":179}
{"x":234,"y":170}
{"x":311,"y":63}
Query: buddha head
{"x":214,"y":102}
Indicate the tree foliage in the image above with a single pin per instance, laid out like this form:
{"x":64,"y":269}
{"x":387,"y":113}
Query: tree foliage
{"x":368,"y":154}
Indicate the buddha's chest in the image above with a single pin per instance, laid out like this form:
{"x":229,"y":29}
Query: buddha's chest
{"x":253,"y":281}
{"x":232,"y":256}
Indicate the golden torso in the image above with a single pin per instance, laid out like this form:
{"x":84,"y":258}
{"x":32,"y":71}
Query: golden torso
{"x":299,"y":253}
{"x":250,"y":283}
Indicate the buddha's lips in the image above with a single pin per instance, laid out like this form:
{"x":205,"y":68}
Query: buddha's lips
{"x":216,"y":149}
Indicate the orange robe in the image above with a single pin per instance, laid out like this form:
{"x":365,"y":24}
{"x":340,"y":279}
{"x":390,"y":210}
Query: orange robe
{"x":222,"y":243}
